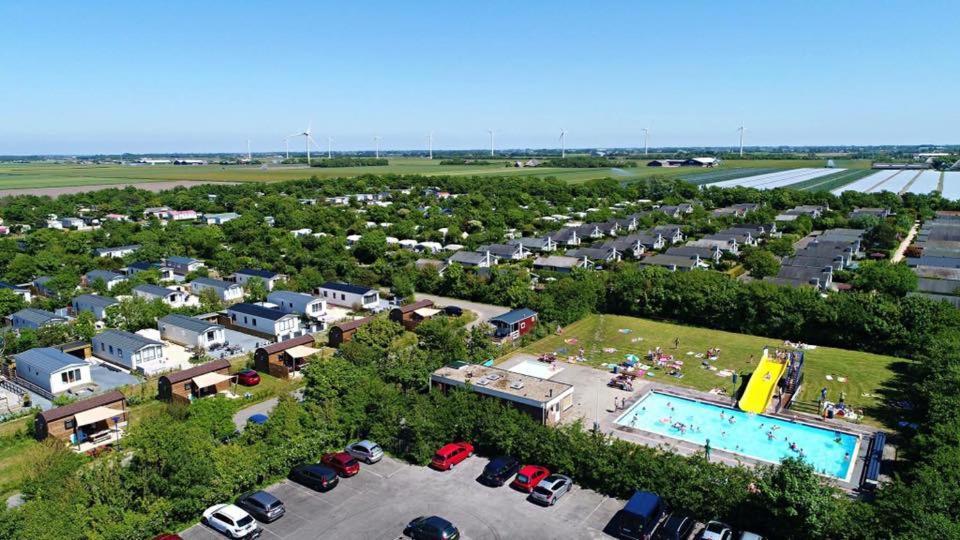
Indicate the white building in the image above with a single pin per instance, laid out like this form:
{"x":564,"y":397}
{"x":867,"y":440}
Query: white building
{"x":270,"y":279}
{"x":281,"y":326}
{"x":52,"y":370}
{"x":347,"y":295}
{"x":171,"y":297}
{"x":299,"y":303}
{"x":93,"y":303}
{"x":225,"y":290}
{"x":219,"y":219}
{"x":191,"y":332}
{"x":131,"y":351}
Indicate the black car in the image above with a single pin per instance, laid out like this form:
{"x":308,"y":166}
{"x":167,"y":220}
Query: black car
{"x":676,"y":527}
{"x":500,"y":470}
{"x":262,"y":505}
{"x":453,"y":311}
{"x":431,"y":528}
{"x":318,"y":477}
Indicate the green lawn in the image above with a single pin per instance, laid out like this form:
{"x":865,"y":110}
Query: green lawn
{"x":866,"y":373}
{"x":14,"y":462}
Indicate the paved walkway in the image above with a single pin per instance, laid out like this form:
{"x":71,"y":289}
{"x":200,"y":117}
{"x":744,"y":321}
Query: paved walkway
{"x":264,"y":407}
{"x":902,"y":249}
{"x":484,"y":312}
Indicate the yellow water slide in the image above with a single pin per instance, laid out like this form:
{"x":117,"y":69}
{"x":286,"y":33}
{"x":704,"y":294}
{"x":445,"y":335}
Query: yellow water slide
{"x":762,"y":384}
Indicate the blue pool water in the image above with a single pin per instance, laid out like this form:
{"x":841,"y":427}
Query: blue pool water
{"x":756,"y":436}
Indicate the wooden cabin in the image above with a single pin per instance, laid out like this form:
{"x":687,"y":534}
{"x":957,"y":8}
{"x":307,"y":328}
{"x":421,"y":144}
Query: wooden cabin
{"x":343,"y":332}
{"x":87,"y":424}
{"x":194,"y":383}
{"x":285,"y":358}
{"x":413,"y":314}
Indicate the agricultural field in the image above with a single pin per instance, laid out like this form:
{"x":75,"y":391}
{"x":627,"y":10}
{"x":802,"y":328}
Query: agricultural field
{"x":950,"y":185}
{"x":783,"y":178}
{"x":53,"y":177}
{"x":721,"y":175}
{"x":895,"y":181}
{"x":606,"y":339}
{"x":836,"y":180}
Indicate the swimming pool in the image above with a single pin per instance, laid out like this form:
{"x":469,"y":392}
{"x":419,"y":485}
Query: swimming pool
{"x":752,"y":435}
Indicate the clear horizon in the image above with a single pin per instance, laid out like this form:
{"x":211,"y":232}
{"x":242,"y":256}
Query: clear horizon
{"x":183,"y":78}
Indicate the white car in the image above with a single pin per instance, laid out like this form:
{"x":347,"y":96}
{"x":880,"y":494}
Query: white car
{"x":232,"y":521}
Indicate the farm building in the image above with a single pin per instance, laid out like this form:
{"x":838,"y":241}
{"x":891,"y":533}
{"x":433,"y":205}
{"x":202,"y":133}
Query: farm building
{"x":343,"y":332}
{"x":129,"y":350}
{"x":197,"y":382}
{"x":86,"y":424}
{"x":514,"y":324}
{"x":285,"y":358}
{"x":413,"y":314}
{"x":171,"y":297}
{"x":270,"y":279}
{"x":544,"y":400}
{"x":299,"y":303}
{"x":267,"y":322}
{"x":93,"y":303}
{"x":51,"y":371}
{"x":225,"y":290}
{"x":191,"y":332}
{"x":347,"y":295}
{"x":34,"y":318}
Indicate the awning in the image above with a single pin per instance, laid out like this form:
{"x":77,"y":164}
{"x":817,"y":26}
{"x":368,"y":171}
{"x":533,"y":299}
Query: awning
{"x":426,"y":312}
{"x":96,"y":414}
{"x":301,"y":351}
{"x":210,"y":379}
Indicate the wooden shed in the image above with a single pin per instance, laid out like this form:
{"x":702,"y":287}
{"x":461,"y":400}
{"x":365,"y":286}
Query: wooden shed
{"x":407,"y":315}
{"x":285,"y":358}
{"x":200,"y":381}
{"x":343,"y":332}
{"x":86,"y":424}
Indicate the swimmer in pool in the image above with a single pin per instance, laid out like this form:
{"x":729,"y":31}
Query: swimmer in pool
{"x":732,"y":420}
{"x":846,"y":457}
{"x":722,"y":415}
{"x":770,"y":436}
{"x":723,"y":434}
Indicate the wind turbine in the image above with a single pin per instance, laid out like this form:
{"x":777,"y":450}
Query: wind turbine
{"x":563,"y":148}
{"x":330,"y":142}
{"x":307,"y":139}
{"x":741,"y":129}
{"x":490,"y":131}
{"x":249,"y":157}
{"x":376,"y":141}
{"x":646,"y":135}
{"x":286,"y":144}
{"x":430,"y":144}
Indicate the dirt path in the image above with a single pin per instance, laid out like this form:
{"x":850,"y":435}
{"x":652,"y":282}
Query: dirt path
{"x":898,"y":255}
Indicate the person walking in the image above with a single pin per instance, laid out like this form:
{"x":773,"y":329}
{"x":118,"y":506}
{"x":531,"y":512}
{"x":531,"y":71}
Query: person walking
{"x":676,"y":342}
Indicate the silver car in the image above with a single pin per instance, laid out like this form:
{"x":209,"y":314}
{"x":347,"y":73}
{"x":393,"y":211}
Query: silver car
{"x":365,"y":451}
{"x":551,"y":488}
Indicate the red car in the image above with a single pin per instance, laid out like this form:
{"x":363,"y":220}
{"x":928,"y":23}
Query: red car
{"x":342,"y":462}
{"x":528,"y":477}
{"x":451,"y":454}
{"x":167,"y":536}
{"x":248,"y":377}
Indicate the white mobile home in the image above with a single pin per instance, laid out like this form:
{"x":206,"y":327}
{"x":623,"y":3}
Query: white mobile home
{"x":129,"y":350}
{"x":273,"y":322}
{"x":270,"y":279}
{"x":226,"y":291}
{"x":93,"y":303}
{"x":299,"y":303}
{"x":52,"y":370}
{"x":347,"y":295}
{"x":191,"y":332}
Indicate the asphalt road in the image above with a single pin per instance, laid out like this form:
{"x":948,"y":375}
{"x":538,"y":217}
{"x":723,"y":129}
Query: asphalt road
{"x":484,"y":312}
{"x":383,"y":498}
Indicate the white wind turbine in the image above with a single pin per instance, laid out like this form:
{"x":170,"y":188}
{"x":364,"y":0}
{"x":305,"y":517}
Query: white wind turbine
{"x":330,"y":142}
{"x":490,"y":131}
{"x":286,"y":145}
{"x":430,"y":144}
{"x":741,"y":129}
{"x":646,"y":136}
{"x":376,"y":141}
{"x":307,"y":139}
{"x":563,"y":148}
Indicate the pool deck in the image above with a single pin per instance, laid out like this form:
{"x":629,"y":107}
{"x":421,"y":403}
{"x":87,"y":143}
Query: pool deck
{"x":608,"y":425}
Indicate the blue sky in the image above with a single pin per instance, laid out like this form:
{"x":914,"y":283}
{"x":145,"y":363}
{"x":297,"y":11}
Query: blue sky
{"x":78,"y":77}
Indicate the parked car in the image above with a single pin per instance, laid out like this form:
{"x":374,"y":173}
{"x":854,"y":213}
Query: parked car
{"x":261,"y":505}
{"x":342,"y":462}
{"x":431,"y":528}
{"x":528,"y":477}
{"x":167,"y":536}
{"x":248,"y":377}
{"x":259,"y":419}
{"x":641,"y":516}
{"x":499,"y":471}
{"x":550,"y":489}
{"x":318,"y":477}
{"x":676,"y":527}
{"x":231,"y":520}
{"x":453,"y":311}
{"x":717,"y":530}
{"x":449,"y":455}
{"x":366,"y":451}
{"x":747,"y":535}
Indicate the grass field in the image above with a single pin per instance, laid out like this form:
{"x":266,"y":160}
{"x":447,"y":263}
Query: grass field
{"x":867,"y":374}
{"x":833,"y":181}
{"x":51,"y":175}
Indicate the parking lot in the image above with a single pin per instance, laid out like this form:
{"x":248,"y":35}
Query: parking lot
{"x":383,"y":498}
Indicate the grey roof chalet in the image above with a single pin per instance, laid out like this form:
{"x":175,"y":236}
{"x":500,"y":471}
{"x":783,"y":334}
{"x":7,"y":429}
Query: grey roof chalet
{"x":468,"y":257}
{"x":801,"y":259}
{"x":257,"y":272}
{"x":49,"y":359}
{"x":346,"y":287}
{"x":876,"y":212}
{"x":703,"y":252}
{"x":842,"y":234}
{"x":504,"y":251}
{"x":125,"y":340}
{"x":670,"y":261}
{"x":802,"y":273}
{"x":218,"y":283}
{"x":259,"y":311}
{"x":153,"y":290}
{"x":565,"y":234}
{"x":178,"y":259}
{"x":515,"y":316}
{"x":558,"y":262}
{"x":103,"y":251}
{"x":106,"y":275}
{"x":36,"y":316}
{"x":594,"y":254}
{"x":189,"y":323}
{"x":532,"y":243}
{"x":292,"y":296}
{"x":96,"y":300}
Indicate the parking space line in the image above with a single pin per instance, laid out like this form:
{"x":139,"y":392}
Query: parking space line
{"x":273,"y":534}
{"x":316,"y":494}
{"x":603,"y":500}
